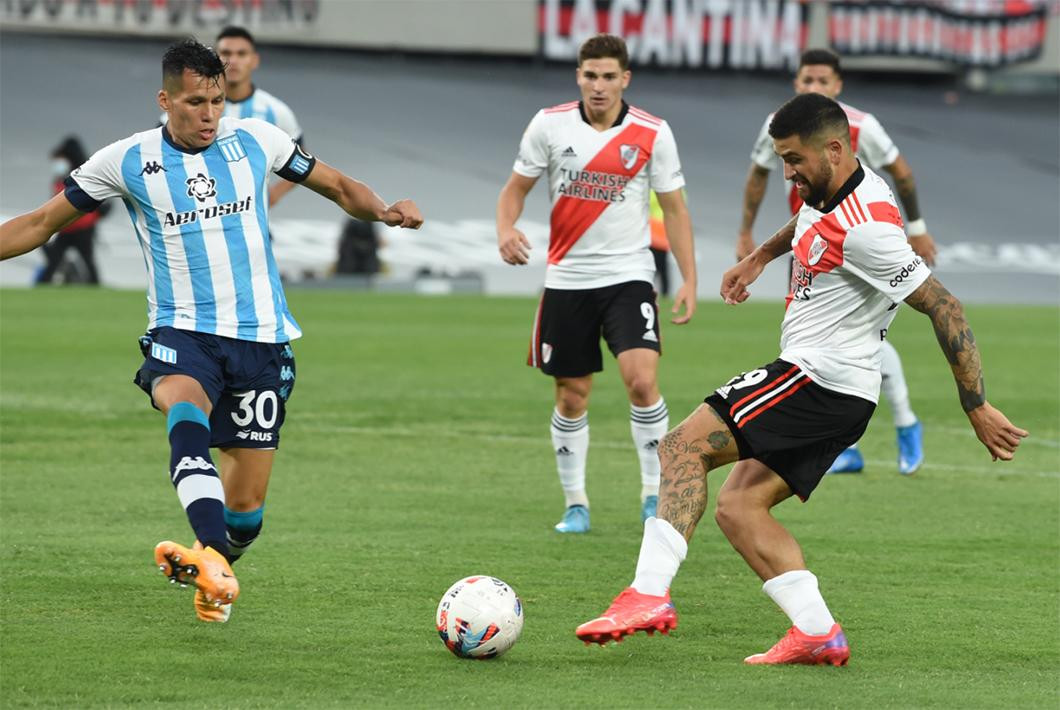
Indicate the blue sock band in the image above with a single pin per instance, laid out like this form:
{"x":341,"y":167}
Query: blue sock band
{"x":185,"y":412}
{"x":248,"y":520}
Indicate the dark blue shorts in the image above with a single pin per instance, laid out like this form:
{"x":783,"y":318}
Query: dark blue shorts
{"x":248,"y":383}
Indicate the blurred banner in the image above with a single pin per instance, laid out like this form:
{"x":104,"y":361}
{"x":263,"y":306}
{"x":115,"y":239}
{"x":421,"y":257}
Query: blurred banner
{"x":989,"y":34}
{"x":716,"y":34}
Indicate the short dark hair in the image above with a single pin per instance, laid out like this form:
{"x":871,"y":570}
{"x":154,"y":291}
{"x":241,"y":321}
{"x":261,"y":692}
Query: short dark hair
{"x":820,"y":56}
{"x":236,"y":31}
{"x":810,"y":116}
{"x":604,"y":46}
{"x":194,"y":56}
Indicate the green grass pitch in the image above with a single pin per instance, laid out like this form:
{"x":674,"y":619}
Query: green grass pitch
{"x":416,"y":452}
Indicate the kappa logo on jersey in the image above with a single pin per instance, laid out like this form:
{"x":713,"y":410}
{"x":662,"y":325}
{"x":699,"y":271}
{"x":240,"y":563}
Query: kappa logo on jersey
{"x":817,"y":249}
{"x":201,"y":187}
{"x":629,"y":154}
{"x":231,"y":148}
{"x":546,"y":352}
{"x":227,"y":208}
{"x":153,"y":167}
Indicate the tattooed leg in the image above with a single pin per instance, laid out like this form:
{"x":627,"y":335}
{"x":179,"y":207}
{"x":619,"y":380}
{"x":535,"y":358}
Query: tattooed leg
{"x":700,"y":443}
{"x":743,"y":514}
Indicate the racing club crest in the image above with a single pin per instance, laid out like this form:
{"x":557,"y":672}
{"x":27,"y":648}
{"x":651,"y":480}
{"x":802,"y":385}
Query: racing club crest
{"x":201,"y":187}
{"x":629,"y":154}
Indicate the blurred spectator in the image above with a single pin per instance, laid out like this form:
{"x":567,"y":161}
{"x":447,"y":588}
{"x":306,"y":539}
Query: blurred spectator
{"x":359,"y":248}
{"x":660,"y":246}
{"x":79,"y":234}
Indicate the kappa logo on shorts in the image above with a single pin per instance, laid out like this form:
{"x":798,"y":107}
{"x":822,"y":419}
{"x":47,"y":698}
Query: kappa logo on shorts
{"x":817,"y":249}
{"x":161,"y":352}
{"x":629,"y":154}
{"x":546,"y":352}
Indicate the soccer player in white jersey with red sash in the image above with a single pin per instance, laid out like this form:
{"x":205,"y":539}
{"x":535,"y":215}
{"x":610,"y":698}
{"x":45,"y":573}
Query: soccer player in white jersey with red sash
{"x":819,"y":72}
{"x":217,"y":355}
{"x":783,"y":423}
{"x":603,"y":158}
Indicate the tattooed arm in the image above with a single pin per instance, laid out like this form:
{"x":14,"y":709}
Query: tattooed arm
{"x":905,"y":186}
{"x":955,"y":338}
{"x":753,"y":192}
{"x":735,"y":281}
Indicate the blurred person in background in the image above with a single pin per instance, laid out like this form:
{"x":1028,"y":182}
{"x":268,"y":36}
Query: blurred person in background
{"x":660,"y":246}
{"x":602,"y":157}
{"x":218,"y":361}
{"x":819,"y":72}
{"x":239,"y":52}
{"x":80,"y":235}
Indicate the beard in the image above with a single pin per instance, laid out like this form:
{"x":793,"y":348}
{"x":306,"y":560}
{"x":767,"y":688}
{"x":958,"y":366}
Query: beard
{"x":817,"y":190}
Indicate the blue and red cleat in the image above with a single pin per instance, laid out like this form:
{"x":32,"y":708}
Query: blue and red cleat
{"x":799,"y":648}
{"x":630,"y":612}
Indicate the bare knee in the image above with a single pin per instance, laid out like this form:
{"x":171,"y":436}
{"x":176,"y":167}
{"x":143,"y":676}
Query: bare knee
{"x":572,"y":396}
{"x":642,"y":389}
{"x":730,"y":512}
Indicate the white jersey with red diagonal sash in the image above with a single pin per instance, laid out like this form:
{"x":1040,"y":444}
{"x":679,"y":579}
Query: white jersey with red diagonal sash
{"x":868,"y":140}
{"x":600,"y":183}
{"x":853,"y":267}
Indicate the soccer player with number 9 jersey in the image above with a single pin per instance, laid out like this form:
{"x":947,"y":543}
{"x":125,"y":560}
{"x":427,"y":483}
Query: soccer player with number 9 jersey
{"x":603,"y":158}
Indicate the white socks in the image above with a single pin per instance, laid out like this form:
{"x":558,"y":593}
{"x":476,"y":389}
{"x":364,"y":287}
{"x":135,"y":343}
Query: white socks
{"x":797,"y":594}
{"x":648,"y":425}
{"x":662,"y":550}
{"x":894,"y":387}
{"x":570,"y":441}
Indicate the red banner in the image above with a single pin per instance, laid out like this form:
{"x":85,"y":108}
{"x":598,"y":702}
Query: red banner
{"x":999,"y":33}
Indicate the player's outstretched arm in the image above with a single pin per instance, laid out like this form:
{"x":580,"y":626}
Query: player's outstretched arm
{"x":360,"y":201}
{"x":28,"y":231}
{"x":955,"y":337}
{"x":511,"y":242}
{"x":753,"y":192}
{"x":905,"y":185}
{"x":735,"y":281}
{"x":678,"y":225}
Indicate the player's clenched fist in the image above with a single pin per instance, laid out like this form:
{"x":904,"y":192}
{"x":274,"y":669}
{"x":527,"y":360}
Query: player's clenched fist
{"x":514,"y":246}
{"x":403,"y":213}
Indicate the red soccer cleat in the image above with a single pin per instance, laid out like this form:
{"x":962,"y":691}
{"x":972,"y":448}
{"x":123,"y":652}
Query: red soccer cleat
{"x":631,"y":611}
{"x":797,"y":647}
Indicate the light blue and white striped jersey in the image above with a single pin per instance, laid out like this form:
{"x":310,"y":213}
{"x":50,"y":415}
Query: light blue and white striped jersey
{"x":261,"y":104}
{"x":202,"y":221}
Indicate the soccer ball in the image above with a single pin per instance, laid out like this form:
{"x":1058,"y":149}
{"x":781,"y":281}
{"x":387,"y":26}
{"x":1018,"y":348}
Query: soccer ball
{"x":479,"y":617}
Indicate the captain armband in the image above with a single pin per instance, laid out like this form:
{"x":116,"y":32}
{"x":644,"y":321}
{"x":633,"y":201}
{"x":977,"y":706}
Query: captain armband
{"x":298,"y":166}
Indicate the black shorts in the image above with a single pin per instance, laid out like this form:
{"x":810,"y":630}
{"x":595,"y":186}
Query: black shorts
{"x":569,"y":323}
{"x":248,"y":383}
{"x":790,"y":423}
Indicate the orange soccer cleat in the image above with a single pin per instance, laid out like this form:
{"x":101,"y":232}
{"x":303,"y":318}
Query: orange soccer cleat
{"x":211,"y":611}
{"x":206,"y":568}
{"x":797,"y":647}
{"x":631,"y":611}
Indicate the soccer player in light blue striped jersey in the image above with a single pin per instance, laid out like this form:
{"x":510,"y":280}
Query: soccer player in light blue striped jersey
{"x":217,"y":355}
{"x":243,"y":99}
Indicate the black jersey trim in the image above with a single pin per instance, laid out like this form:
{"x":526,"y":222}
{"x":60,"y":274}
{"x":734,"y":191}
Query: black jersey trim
{"x":78,"y":197}
{"x":298,"y":166}
{"x":190,"y":151}
{"x":618,"y":121}
{"x":844,"y":192}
